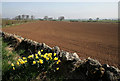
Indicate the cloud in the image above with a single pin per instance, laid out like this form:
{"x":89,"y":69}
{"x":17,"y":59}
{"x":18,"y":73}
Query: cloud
{"x":60,"y":0}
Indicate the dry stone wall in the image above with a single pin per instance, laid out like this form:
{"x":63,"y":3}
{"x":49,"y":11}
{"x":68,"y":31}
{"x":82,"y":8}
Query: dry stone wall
{"x":72,"y":66}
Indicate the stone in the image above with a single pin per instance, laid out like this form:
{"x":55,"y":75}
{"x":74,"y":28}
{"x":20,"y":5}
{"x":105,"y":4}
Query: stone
{"x":115,"y":70}
{"x":93,"y":62}
{"x":43,"y":45}
{"x":56,"y":49}
{"x":68,"y":56}
{"x":76,"y":57}
{"x":105,"y":66}
{"x":90,"y":68}
{"x":109,"y":76}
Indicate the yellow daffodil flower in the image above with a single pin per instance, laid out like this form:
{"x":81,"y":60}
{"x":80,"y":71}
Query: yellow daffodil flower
{"x":25,"y":61}
{"x":38,"y":61}
{"x":44,"y":56}
{"x":36,"y":57}
{"x":54,"y":54}
{"x":22,"y":62}
{"x":12,"y":64}
{"x":30,"y":56}
{"x":34,"y":62}
{"x":36,"y":54}
{"x":13,"y":68}
{"x":57,"y":68}
{"x":55,"y":58}
{"x":18,"y":63}
{"x":41,"y":61}
{"x":24,"y":58}
{"x":47,"y":58}
{"x":59,"y":61}
{"x":51,"y":58}
{"x":39,"y":52}
{"x":46,"y":53}
{"x":19,"y":60}
{"x":49,"y":55}
{"x":41,"y":55}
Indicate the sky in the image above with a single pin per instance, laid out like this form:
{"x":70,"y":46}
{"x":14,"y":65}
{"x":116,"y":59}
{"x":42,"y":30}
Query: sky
{"x":71,"y":10}
{"x":60,"y":0}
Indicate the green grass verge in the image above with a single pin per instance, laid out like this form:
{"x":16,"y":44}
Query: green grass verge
{"x":7,"y":57}
{"x":28,"y":71}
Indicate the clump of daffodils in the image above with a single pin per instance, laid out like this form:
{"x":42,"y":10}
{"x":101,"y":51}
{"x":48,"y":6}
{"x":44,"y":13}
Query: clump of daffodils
{"x":38,"y":59}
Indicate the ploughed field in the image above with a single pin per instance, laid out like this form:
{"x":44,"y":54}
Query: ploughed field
{"x":95,"y":40}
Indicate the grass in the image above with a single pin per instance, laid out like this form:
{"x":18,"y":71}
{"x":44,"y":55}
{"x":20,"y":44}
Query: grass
{"x":7,"y":57}
{"x":28,"y":70}
{"x":0,"y":59}
{"x":102,"y":20}
{"x":8,"y":23}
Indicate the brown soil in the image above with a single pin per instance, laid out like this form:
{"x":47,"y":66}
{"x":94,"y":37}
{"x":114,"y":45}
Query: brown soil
{"x":95,"y":40}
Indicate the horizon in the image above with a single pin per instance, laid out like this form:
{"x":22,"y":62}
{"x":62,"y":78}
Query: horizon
{"x":70,"y":10}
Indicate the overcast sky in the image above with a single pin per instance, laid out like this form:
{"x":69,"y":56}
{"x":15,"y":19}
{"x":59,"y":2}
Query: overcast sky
{"x":71,"y":10}
{"x":60,"y":0}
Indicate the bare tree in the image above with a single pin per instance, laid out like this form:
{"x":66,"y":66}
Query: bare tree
{"x":97,"y":18}
{"x":19,"y":17}
{"x":61,"y":18}
{"x":23,"y":17}
{"x":45,"y":17}
{"x":27,"y":17}
{"x":32,"y":17}
{"x":90,"y":19}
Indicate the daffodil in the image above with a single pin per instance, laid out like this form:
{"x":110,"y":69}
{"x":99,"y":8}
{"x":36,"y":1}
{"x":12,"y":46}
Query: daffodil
{"x":13,"y":68}
{"x":49,"y":55}
{"x":22,"y":62}
{"x":51,"y":58}
{"x":25,"y":61}
{"x":34,"y":62}
{"x":41,"y":55}
{"x":41,"y":61}
{"x":54,"y":54}
{"x":47,"y":58}
{"x":30,"y":56}
{"x":24,"y":58}
{"x":12,"y":64}
{"x":18,"y":63}
{"x":38,"y":61}
{"x":57,"y":68}
{"x":55,"y":58}
{"x":19,"y":60}
{"x":44,"y":56}
{"x":59,"y":61}
{"x":36,"y":57}
{"x":46,"y":53}
{"x":35,"y":54}
{"x":39,"y":52}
